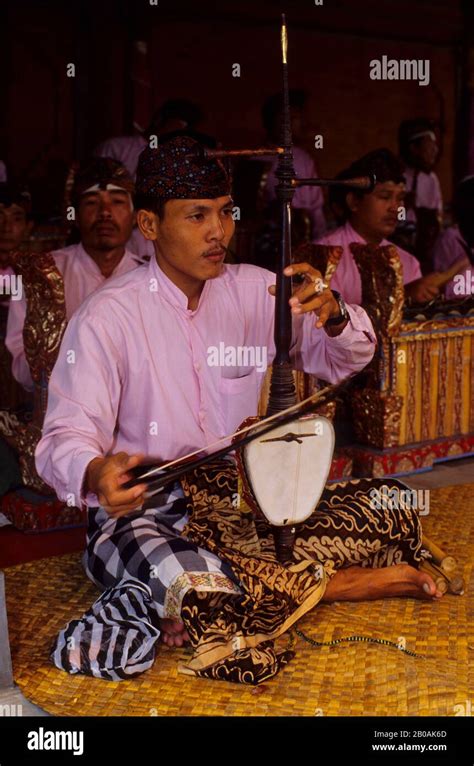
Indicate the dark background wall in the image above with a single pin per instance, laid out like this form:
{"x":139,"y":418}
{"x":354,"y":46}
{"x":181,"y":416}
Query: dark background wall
{"x":48,"y":119}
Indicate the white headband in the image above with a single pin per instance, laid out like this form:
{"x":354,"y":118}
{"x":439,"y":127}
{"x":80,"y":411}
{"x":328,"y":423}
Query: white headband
{"x":421,"y":134}
{"x":109,"y":187}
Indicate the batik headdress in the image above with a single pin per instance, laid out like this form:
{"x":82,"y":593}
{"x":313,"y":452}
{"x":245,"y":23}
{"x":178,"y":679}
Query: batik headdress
{"x":178,"y":169}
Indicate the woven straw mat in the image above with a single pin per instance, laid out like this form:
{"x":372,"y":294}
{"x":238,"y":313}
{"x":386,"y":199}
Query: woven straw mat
{"x":352,"y":679}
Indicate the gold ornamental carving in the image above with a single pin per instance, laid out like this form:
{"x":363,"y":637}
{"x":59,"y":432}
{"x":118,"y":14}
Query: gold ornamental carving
{"x":45,"y":322}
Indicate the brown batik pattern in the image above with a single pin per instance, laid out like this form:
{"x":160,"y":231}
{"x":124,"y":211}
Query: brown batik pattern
{"x":233,"y":635}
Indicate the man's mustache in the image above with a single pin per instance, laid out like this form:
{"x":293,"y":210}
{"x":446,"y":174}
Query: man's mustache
{"x":216,"y":250}
{"x":104,"y":222}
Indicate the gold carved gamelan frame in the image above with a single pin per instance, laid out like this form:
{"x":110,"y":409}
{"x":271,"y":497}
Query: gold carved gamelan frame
{"x":417,"y":404}
{"x":44,"y":326}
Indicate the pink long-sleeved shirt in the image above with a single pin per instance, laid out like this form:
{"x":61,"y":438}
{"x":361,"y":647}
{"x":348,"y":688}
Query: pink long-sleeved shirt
{"x":449,"y":248}
{"x":428,"y":191}
{"x":125,"y":149}
{"x":308,"y":197}
{"x":81,"y":277}
{"x":140,"y":372}
{"x":346,"y":278}
{"x":5,"y":273}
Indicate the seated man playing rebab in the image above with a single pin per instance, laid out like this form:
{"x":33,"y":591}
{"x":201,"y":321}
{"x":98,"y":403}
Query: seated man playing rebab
{"x":141,"y":384}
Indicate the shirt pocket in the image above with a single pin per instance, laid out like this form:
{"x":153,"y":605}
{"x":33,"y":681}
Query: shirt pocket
{"x":238,"y":385}
{"x":239,"y":399}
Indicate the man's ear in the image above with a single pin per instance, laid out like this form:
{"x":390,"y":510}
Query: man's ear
{"x":29,"y":226}
{"x":148,"y":224}
{"x":352,"y":202}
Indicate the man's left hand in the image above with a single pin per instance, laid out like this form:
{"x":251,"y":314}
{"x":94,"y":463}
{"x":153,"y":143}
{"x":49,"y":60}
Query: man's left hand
{"x":309,"y":297}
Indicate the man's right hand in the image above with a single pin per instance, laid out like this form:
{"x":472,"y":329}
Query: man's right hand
{"x":423,"y":289}
{"x":105,"y":477}
{"x":426,"y":288}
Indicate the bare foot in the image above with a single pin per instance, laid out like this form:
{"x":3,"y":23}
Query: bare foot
{"x":363,"y":584}
{"x":173,"y":632}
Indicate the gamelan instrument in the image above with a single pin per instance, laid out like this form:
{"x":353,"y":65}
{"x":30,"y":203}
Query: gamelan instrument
{"x":286,"y":457}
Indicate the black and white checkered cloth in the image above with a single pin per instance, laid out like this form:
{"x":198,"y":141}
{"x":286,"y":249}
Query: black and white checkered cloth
{"x":147,"y":547}
{"x":115,"y":638}
{"x":135,"y":558}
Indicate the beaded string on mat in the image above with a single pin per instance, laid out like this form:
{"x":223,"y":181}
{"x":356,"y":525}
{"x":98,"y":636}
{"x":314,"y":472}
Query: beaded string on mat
{"x":353,"y":639}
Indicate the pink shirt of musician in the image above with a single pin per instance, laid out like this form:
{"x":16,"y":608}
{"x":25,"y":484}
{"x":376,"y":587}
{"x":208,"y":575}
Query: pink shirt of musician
{"x":152,"y":376}
{"x":142,"y":247}
{"x":81,"y":277}
{"x":450,"y":247}
{"x":346,"y":278}
{"x":5,"y":274}
{"x":125,"y":149}
{"x":308,"y":197}
{"x":428,"y":191}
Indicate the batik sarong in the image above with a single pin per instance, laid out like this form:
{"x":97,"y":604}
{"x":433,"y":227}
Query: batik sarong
{"x":206,"y":558}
